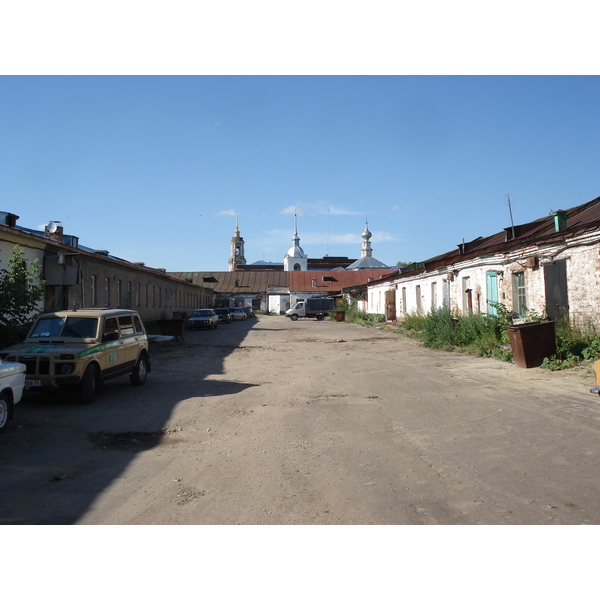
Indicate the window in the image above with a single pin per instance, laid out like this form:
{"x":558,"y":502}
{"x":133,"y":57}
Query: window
{"x":137,"y":324}
{"x":519,"y":305}
{"x":110,"y":326}
{"x":128,"y":297}
{"x":119,"y":292}
{"x":137,"y":294}
{"x":418,"y":298}
{"x":93,"y":299}
{"x":433,"y":294}
{"x":126,"y":325}
{"x":106,"y":291}
{"x":404,"y":307}
{"x":467,"y":295}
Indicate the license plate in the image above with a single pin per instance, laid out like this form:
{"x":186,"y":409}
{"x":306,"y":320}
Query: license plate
{"x":33,"y":383}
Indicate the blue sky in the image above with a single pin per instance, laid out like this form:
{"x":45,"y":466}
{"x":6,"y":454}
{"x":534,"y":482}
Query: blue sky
{"x":155,"y":168}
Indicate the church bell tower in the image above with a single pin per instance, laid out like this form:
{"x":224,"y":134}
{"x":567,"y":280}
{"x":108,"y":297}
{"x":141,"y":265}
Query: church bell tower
{"x":237,"y":248}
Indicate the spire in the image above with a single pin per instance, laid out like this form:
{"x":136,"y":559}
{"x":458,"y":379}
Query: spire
{"x":366,"y":245}
{"x":295,"y":239}
{"x":295,"y":259}
{"x":366,"y":260}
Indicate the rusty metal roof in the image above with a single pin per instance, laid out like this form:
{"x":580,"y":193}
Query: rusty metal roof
{"x":579,"y":219}
{"x":241,"y":282}
{"x":330,"y":282}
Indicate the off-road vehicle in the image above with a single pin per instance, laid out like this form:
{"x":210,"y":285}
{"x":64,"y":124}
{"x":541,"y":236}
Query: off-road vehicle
{"x":83,"y":348}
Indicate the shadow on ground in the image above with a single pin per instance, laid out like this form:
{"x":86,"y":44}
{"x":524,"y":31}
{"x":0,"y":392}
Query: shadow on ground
{"x":58,"y":456}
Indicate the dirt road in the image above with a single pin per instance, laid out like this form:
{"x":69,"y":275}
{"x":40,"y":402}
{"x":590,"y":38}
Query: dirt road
{"x":273,"y":422}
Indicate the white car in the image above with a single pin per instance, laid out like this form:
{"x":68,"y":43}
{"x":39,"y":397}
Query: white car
{"x":12,"y":382}
{"x":203,"y":317}
{"x":238,"y":314}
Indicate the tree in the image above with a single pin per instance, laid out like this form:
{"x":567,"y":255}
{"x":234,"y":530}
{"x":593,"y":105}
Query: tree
{"x":21,"y":290}
{"x":402,"y":264}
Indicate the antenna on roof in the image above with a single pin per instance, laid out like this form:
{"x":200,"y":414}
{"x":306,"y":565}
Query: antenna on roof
{"x":327,"y":253}
{"x":511,"y":217}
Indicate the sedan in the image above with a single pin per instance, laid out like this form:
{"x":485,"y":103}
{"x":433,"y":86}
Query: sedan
{"x":203,"y":317}
{"x":223,"y":314}
{"x":238,"y":314}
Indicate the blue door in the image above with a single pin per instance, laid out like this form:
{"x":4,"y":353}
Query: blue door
{"x":491,"y":285}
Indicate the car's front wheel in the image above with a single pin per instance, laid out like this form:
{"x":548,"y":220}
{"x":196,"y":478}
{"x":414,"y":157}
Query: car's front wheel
{"x":89,"y":385}
{"x":294,"y":317}
{"x":5,"y":407}
{"x":140,"y":372}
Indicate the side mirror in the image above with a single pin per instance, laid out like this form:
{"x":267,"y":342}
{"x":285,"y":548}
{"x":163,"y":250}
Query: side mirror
{"x":111,"y":336}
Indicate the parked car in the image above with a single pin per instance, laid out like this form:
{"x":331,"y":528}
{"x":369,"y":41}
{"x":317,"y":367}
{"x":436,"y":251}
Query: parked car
{"x":223,"y":314}
{"x":238,"y":314}
{"x":248,"y":310}
{"x":83,"y":348}
{"x":203,"y":318}
{"x":12,"y":382}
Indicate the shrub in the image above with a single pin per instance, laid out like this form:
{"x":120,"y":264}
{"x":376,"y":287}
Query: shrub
{"x":478,"y":334}
{"x":573,"y":346}
{"x":21,"y":291}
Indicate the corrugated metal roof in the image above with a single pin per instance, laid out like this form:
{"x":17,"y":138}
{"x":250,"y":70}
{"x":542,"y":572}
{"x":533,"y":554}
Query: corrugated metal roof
{"x":330,"y":282}
{"x":579,"y":219}
{"x":241,"y":282}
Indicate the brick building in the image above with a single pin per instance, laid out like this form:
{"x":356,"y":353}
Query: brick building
{"x":550,"y":265}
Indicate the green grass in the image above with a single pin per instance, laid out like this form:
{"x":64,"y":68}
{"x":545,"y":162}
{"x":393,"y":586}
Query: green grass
{"x":442,"y":329}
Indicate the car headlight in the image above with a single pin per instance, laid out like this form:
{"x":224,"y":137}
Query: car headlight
{"x":65,"y":368}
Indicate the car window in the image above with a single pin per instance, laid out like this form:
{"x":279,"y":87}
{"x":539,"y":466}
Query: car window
{"x":126,"y":325}
{"x":137,"y":324}
{"x":83,"y":327}
{"x":47,"y":327}
{"x":110,"y":326}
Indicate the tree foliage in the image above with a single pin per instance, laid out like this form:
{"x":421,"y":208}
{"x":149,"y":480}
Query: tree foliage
{"x":21,"y":290}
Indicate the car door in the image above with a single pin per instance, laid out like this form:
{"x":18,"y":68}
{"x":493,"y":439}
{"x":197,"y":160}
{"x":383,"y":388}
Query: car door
{"x":129,"y":343}
{"x":112,"y":359}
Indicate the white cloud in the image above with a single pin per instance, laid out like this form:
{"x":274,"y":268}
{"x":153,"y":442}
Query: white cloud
{"x":383,"y":236}
{"x":319,"y":208}
{"x":290,"y":210}
{"x":227,"y":213}
{"x":338,"y":210}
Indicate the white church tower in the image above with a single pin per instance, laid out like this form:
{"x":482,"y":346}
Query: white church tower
{"x":237,"y":248}
{"x":295,"y":259}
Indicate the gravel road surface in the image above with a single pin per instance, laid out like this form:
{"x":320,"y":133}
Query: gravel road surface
{"x":268,"y":421}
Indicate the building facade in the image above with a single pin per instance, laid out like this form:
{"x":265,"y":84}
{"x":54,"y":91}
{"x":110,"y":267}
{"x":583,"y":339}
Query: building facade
{"x":78,"y":277}
{"x":550,"y":266}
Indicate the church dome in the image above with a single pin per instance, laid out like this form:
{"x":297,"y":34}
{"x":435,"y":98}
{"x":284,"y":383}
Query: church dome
{"x":296,"y":252}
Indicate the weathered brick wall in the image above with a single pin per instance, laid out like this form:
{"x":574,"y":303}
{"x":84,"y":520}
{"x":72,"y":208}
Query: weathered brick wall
{"x":582,"y":256}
